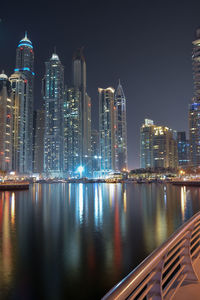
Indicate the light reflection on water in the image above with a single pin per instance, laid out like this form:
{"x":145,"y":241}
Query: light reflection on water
{"x":66,"y":241}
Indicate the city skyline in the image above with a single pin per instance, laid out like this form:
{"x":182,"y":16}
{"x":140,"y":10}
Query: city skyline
{"x":64,"y":136}
{"x":137,"y":59}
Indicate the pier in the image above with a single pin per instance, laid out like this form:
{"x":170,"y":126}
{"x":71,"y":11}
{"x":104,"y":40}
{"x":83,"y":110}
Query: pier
{"x":10,"y":185}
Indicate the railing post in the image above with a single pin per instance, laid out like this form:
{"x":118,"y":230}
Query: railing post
{"x":187,"y":261}
{"x":156,"y":291}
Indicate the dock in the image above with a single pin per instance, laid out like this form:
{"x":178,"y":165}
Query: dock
{"x":11,"y":186}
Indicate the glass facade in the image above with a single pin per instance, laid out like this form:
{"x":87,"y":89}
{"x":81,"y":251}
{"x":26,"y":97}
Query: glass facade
{"x":79,"y":83}
{"x":194,"y":106}
{"x":146,"y":144}
{"x":121,"y":129}
{"x":107,"y":123}
{"x":6,"y":118}
{"x":72,"y":132}
{"x":25,"y":65}
{"x":20,"y":144}
{"x":39,"y":142}
{"x":182,"y":145}
{"x":53,"y":135}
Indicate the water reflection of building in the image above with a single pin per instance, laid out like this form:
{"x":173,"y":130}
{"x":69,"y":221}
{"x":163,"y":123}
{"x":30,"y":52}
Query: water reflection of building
{"x":183,"y":202}
{"x":7,"y":227}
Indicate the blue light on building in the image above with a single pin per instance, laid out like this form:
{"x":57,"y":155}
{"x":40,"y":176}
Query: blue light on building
{"x":25,"y":44}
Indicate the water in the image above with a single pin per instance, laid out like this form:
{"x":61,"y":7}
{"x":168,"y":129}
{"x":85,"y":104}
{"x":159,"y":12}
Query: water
{"x":75,"y":241}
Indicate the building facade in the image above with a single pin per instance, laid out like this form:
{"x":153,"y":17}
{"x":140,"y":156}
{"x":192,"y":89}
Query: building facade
{"x":20,"y":139}
{"x":72,"y":132}
{"x":121,"y":129}
{"x":158,"y":146}
{"x":194,"y":132}
{"x":6,"y":119}
{"x":39,"y":142}
{"x":194,"y":106}
{"x":107,"y":127}
{"x":53,"y":101}
{"x":146,"y":144}
{"x":95,"y":153}
{"x":79,"y":83}
{"x":182,"y":145}
{"x":25,"y":65}
{"x":164,"y":148}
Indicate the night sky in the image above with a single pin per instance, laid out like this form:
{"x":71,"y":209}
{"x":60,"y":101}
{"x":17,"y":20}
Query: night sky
{"x":147,"y":44}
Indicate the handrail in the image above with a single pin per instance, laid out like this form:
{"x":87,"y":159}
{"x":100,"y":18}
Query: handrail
{"x":137,"y":283}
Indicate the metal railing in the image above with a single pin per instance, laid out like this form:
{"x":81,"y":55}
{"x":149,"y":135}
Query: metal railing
{"x":161,"y":274}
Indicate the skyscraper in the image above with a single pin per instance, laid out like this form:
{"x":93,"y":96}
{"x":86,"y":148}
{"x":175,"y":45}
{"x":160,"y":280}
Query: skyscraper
{"x":194,"y":106}
{"x":164,"y":148}
{"x":79,"y":82}
{"x":146,"y":144}
{"x":39,"y":142}
{"x":107,"y":127}
{"x":53,"y":134}
{"x":5,"y":123}
{"x":25,"y":65}
{"x":72,"y":132}
{"x":121,"y":128}
{"x":20,"y":139}
{"x":158,"y":146}
{"x":182,"y":145}
{"x":95,"y":152}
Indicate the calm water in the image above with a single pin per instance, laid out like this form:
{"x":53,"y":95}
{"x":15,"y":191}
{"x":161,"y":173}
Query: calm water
{"x":75,"y":241}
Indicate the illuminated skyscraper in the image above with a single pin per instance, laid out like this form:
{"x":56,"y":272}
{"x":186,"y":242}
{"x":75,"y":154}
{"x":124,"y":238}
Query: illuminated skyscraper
{"x":146,"y":144}
{"x":95,"y":152}
{"x":79,"y":83}
{"x":53,"y":134}
{"x":158,"y":146}
{"x":194,"y":107}
{"x":121,"y":128}
{"x":39,"y":142}
{"x":165,"y":153}
{"x":20,"y":146}
{"x":72,"y":132}
{"x":5,"y":124}
{"x":25,"y":65}
{"x":182,"y":145}
{"x":107,"y":127}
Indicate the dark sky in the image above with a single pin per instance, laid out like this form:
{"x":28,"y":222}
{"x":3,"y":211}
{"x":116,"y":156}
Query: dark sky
{"x":147,"y":44}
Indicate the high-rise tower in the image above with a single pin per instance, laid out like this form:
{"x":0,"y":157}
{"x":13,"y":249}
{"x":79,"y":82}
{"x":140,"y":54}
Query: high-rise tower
{"x":194,"y":107}
{"x":121,"y":128}
{"x":158,"y":146}
{"x":79,"y":83}
{"x":53,"y":134}
{"x":107,"y":130}
{"x":5,"y":124}
{"x":146,"y":144}
{"x":20,"y":143}
{"x":25,"y":65}
{"x":39,"y":142}
{"x":72,"y":131}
